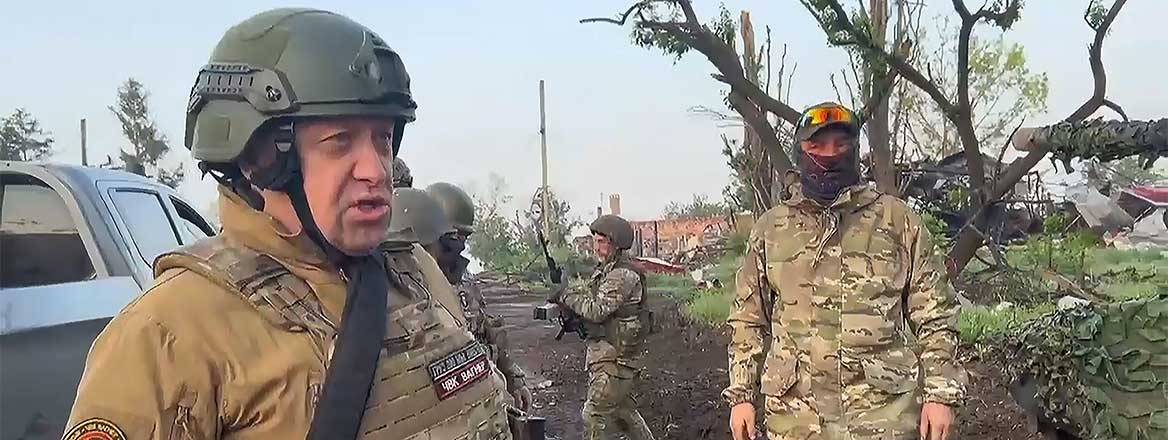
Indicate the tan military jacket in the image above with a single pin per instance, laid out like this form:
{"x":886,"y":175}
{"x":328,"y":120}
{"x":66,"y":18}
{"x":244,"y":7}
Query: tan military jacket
{"x":190,"y":359}
{"x":488,"y":329}
{"x":859,"y":304}
{"x":610,"y":308}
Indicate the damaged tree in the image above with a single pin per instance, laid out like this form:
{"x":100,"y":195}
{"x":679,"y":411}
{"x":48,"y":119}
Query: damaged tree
{"x":674,"y":27}
{"x":1097,"y":139}
{"x":985,"y":193}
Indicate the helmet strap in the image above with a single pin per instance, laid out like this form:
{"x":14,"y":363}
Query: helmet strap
{"x":286,"y":176}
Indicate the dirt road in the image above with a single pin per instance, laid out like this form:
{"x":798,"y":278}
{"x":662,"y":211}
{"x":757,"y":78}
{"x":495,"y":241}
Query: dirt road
{"x":679,"y":396}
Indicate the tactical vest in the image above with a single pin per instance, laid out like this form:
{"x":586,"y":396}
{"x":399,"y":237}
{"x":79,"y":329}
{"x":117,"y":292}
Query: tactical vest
{"x":432,"y":381}
{"x":629,"y":324}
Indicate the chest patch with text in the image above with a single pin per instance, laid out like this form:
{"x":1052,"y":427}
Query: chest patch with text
{"x":458,"y":370}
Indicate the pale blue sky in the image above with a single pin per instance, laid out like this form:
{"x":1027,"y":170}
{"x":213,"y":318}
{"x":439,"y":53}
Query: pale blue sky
{"x":617,"y":114}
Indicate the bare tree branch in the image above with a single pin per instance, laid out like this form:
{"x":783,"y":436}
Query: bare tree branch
{"x":1111,"y":105}
{"x":636,"y":7}
{"x":1021,"y":166}
{"x":901,"y":65}
{"x":770,"y":141}
{"x":1095,"y":52}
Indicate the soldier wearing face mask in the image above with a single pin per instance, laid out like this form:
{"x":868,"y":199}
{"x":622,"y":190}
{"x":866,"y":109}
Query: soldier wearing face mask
{"x":844,"y":322}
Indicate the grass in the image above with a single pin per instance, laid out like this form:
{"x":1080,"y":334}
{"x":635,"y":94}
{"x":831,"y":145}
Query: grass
{"x":979,"y":322}
{"x":710,"y":306}
{"x":1133,"y":274}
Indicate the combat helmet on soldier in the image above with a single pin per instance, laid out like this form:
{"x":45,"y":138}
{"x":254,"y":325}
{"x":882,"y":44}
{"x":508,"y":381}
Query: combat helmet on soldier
{"x":456,"y":203}
{"x":401,"y":174}
{"x":293,"y":67}
{"x":417,"y":216}
{"x":616,"y":229}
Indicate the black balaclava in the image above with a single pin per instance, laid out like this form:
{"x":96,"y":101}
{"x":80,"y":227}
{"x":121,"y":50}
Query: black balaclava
{"x":825,"y":177}
{"x":451,"y":261}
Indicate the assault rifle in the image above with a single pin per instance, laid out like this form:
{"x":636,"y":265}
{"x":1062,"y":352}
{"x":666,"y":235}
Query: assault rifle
{"x":568,"y":320}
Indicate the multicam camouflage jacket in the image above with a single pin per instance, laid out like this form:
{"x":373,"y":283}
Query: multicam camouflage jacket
{"x":611,"y":311}
{"x":841,"y":302}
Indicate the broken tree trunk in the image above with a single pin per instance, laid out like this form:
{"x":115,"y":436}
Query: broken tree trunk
{"x":1098,"y":139}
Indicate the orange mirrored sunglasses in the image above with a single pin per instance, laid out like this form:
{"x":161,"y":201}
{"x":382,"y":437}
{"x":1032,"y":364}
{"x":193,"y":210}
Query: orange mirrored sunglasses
{"x":825,"y":115}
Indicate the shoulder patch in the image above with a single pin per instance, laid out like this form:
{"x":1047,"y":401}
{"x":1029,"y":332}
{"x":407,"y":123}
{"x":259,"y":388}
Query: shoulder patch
{"x":95,"y":429}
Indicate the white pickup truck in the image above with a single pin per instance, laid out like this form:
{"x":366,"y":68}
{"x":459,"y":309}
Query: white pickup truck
{"x":76,"y":245}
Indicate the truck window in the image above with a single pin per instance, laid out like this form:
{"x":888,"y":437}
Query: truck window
{"x":191,"y":226}
{"x":149,"y":225}
{"x":39,"y":243}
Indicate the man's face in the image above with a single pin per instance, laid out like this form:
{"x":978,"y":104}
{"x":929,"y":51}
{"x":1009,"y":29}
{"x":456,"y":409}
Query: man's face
{"x":346,"y":163}
{"x":828,"y":146}
{"x":602,"y":246}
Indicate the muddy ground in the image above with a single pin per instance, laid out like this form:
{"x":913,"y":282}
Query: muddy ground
{"x":679,"y":397}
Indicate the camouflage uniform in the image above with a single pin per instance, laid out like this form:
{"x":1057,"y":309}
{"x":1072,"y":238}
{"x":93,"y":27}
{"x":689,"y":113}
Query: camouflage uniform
{"x":843,"y":320}
{"x":488,"y":329}
{"x":611,"y":312}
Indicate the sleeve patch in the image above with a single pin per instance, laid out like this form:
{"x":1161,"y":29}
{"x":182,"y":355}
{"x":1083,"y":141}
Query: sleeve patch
{"x":95,"y":429}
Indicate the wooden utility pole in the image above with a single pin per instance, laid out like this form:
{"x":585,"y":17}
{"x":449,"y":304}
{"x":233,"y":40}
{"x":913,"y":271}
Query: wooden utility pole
{"x":84,"y":152}
{"x":543,"y":154}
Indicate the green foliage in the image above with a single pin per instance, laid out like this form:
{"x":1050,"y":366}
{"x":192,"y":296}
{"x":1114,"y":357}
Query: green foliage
{"x":710,"y":306}
{"x":977,"y":323}
{"x":937,"y":228}
{"x":1095,"y":13}
{"x":503,"y":243}
{"x":22,"y":138}
{"x":680,"y":287}
{"x":736,"y":243}
{"x":560,"y":223}
{"x":1052,"y":250}
{"x":1003,"y":92}
{"x":495,"y":242}
{"x":148,"y":145}
{"x":661,"y":29}
{"x":699,"y":207}
{"x":739,"y":193}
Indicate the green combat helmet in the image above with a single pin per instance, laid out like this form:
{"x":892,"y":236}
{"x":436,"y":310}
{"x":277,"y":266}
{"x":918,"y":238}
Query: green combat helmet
{"x":417,"y":216}
{"x":276,"y":68}
{"x":616,"y":229}
{"x":457,"y":205}
{"x":1094,"y":371}
{"x":401,"y":174}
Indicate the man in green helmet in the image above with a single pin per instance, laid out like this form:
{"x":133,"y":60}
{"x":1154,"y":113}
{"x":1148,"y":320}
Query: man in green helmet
{"x":290,"y":324}
{"x":614,"y":315}
{"x":458,"y":209}
{"x":844,"y":322}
